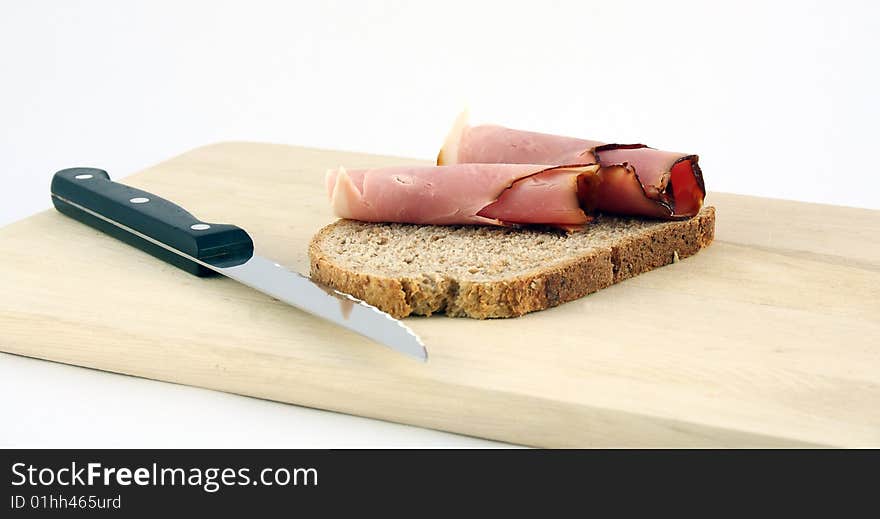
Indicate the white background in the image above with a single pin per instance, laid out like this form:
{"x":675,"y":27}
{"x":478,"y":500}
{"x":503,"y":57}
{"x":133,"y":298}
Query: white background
{"x":778,"y":98}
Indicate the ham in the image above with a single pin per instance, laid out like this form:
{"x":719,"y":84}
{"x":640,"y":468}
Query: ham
{"x":492,"y":194}
{"x":634,"y":179}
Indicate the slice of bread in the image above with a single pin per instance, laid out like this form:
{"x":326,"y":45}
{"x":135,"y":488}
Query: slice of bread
{"x":485,"y":272}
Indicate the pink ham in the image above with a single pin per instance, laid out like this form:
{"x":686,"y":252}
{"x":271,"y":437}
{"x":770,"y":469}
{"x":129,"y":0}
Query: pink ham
{"x":493,"y":194}
{"x":635,"y":179}
{"x":499,"y":145}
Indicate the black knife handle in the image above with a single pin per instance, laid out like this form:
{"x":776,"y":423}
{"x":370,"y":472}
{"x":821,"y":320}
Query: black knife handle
{"x":217,"y":244}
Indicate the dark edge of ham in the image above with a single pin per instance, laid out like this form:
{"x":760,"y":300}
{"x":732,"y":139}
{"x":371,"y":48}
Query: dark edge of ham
{"x":674,"y":190}
{"x":585,"y":184}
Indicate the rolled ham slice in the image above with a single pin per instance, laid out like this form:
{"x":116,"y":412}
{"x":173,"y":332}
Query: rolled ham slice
{"x":634,"y":179}
{"x":491,"y":194}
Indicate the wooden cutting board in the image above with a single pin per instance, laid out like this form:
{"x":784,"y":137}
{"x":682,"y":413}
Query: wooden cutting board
{"x":770,"y":337}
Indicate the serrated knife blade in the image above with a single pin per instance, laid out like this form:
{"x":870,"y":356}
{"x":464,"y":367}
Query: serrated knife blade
{"x":340,"y":308}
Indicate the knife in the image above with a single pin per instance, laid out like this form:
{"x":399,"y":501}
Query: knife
{"x":170,"y":233}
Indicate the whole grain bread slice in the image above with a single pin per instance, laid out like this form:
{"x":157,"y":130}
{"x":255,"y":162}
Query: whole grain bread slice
{"x":486,"y":272}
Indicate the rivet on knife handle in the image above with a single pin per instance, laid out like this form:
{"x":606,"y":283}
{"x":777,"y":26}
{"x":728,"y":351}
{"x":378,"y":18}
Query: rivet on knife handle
{"x":172,"y":234}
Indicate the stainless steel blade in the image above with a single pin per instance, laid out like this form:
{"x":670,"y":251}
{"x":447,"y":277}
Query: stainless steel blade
{"x":340,"y":308}
{"x":297,"y":290}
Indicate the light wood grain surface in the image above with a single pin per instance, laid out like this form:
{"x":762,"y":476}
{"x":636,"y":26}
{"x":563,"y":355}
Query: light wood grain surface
{"x":770,"y":337}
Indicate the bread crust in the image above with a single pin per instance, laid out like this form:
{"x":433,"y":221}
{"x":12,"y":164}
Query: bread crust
{"x":576,"y":277}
